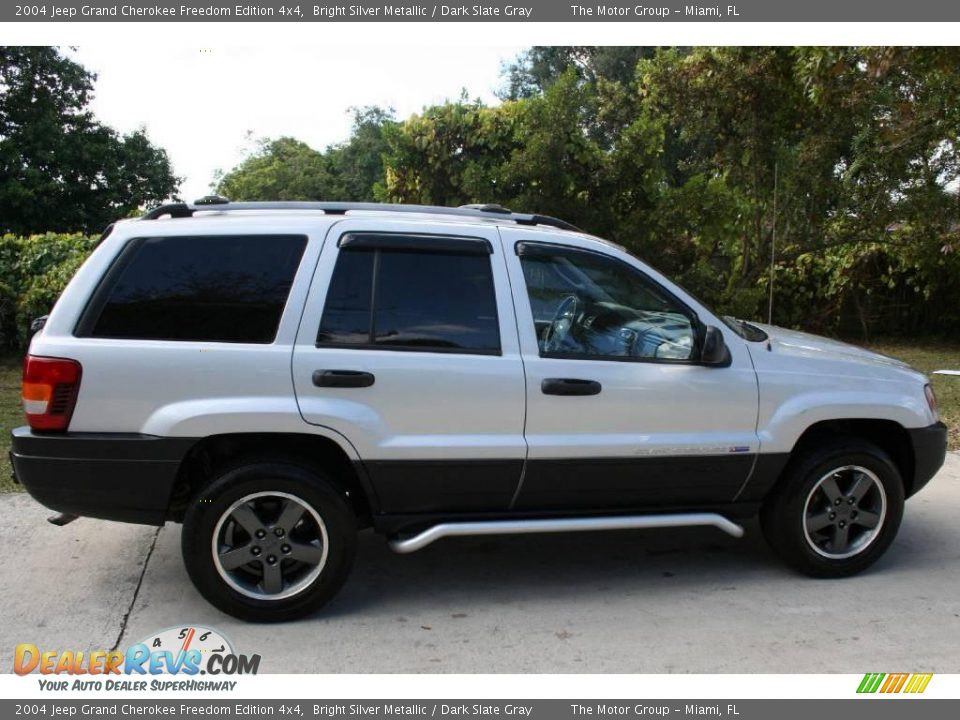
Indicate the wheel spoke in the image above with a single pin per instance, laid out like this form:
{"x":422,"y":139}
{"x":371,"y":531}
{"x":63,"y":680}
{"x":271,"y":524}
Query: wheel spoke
{"x":292,"y":512}
{"x":247,"y":519}
{"x":303,"y":552}
{"x":830,"y":489}
{"x":818,"y":522}
{"x":866,"y":519}
{"x":232,"y":559}
{"x":272,"y":578}
{"x":270,"y":545}
{"x":844,"y":511}
{"x":861,"y":486}
{"x":841,"y":538}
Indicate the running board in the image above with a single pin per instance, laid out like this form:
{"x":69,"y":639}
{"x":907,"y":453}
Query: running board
{"x":552,"y":525}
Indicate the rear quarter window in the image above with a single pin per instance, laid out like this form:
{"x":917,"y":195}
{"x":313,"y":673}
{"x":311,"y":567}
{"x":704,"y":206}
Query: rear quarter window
{"x":196,"y":288}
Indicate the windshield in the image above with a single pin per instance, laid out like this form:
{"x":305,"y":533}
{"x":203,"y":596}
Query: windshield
{"x":743,"y":328}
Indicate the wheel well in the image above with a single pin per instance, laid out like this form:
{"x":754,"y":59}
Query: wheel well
{"x":888,"y":435}
{"x":214,"y":455}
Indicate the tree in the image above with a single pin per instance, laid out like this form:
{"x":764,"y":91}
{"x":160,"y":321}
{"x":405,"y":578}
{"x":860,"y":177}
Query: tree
{"x":745,"y":131}
{"x":847,"y":154}
{"x":60,"y":169}
{"x":536,"y":69}
{"x":357,"y":164}
{"x":288,"y":169}
{"x":696,"y":159}
{"x":281,"y":169}
{"x":450,"y":154}
{"x":896,"y":231}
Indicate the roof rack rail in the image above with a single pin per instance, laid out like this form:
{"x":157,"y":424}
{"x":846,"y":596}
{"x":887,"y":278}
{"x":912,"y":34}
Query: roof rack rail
{"x":218,"y":204}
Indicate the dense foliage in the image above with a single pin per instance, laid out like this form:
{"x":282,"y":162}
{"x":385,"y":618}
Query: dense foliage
{"x":288,"y":169}
{"x":846,"y":157}
{"x":33,"y":272}
{"x":842,"y":162}
{"x":60,"y":169}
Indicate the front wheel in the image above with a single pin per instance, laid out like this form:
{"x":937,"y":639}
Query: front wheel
{"x":836,"y":510}
{"x":269,"y":541}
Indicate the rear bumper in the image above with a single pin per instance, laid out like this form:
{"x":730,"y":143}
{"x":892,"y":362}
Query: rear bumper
{"x":114,"y":476}
{"x":929,"y":452}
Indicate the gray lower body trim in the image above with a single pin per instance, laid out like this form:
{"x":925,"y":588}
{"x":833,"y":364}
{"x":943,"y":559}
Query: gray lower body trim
{"x":115,"y":476}
{"x":518,"y":527}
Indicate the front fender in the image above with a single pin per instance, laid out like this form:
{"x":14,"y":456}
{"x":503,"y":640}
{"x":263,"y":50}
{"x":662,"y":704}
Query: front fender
{"x":787,"y":422}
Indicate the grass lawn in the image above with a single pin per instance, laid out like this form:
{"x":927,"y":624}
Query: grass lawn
{"x":925,"y":356}
{"x":11,"y":415}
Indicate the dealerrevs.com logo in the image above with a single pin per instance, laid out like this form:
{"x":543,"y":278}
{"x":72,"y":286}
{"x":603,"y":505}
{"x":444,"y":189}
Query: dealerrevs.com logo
{"x":185,"y":650}
{"x":889,"y":683}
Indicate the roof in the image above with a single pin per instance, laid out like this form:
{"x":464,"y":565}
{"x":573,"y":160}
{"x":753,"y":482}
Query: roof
{"x":488,"y":212}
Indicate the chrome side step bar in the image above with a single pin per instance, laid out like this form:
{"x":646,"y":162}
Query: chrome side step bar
{"x":552,"y":525}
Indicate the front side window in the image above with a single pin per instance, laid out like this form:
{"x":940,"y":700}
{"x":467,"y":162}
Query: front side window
{"x":411,"y":299}
{"x":589,"y":305}
{"x":200,"y":288}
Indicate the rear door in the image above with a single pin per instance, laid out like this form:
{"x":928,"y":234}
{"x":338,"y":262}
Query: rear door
{"x":408,"y":347}
{"x":620,"y":414}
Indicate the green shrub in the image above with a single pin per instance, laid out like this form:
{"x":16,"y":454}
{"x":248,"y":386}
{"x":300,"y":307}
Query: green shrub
{"x":33,"y":272}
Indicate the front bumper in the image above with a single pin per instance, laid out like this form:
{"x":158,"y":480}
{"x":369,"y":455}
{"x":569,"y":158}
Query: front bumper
{"x":929,"y":452}
{"x":114,"y":476}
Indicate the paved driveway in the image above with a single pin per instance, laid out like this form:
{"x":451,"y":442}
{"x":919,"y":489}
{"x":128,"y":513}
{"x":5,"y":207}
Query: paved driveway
{"x":655,"y":601}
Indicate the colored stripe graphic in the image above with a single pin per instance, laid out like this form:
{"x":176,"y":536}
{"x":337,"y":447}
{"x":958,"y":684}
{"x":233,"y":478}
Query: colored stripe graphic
{"x":894,"y":683}
{"x":870,"y":683}
{"x":924,"y":681}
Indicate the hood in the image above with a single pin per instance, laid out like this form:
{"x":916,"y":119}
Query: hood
{"x":814,"y":347}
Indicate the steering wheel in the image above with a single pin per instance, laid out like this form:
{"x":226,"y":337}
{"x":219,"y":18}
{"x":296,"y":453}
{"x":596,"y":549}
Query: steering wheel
{"x":562,"y":323}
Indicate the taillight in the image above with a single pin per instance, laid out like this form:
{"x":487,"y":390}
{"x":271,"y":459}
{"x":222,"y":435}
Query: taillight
{"x":50,"y":387}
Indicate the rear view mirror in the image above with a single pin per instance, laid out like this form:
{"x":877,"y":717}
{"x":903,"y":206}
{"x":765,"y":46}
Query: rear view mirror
{"x":714,"y":350}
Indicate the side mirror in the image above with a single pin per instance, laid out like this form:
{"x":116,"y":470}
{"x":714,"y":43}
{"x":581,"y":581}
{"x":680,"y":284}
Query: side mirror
{"x":714,"y":350}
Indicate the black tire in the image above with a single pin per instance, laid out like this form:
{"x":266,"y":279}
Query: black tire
{"x":208,"y":515}
{"x":800,"y":503}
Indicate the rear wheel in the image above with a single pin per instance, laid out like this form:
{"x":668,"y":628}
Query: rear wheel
{"x":269,"y":541}
{"x":836,"y":510}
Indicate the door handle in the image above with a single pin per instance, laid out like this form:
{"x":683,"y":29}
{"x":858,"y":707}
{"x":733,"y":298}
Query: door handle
{"x":569,"y":386}
{"x":342,"y":378}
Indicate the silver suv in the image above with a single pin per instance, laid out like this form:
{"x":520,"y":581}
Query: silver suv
{"x":276,"y":376}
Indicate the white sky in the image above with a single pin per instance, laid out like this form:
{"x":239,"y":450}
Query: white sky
{"x":199,"y":103}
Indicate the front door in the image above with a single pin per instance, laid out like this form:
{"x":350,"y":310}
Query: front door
{"x":620,"y":413}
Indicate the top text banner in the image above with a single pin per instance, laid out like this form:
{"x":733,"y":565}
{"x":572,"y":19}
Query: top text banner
{"x":496,"y":11}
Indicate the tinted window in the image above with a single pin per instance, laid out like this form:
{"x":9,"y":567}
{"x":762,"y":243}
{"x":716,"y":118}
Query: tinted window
{"x":587,"y":304}
{"x":346,"y":316}
{"x":422,"y":300}
{"x":222,"y":289}
{"x":436,"y":301}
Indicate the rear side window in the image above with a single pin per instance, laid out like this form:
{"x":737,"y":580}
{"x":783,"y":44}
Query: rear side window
{"x":213,"y":288}
{"x":411,"y":299}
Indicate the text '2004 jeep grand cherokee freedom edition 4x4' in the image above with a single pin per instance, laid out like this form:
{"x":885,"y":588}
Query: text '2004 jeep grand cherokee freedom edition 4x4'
{"x":277,"y":375}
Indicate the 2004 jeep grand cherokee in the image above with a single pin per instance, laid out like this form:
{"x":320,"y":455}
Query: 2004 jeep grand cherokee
{"x":276,"y":376}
